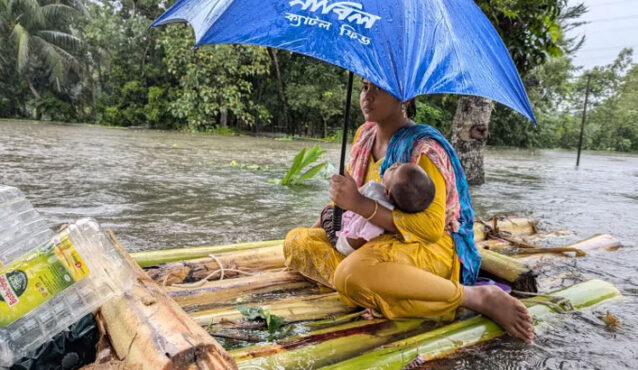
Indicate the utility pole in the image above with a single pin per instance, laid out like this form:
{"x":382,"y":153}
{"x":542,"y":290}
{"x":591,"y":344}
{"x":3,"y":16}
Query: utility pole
{"x":582,"y":124}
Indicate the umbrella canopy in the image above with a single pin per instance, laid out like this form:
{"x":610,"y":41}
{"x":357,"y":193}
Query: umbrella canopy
{"x":406,"y":47}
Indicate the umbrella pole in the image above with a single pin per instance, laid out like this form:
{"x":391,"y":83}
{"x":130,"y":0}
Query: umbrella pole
{"x":344,"y":142}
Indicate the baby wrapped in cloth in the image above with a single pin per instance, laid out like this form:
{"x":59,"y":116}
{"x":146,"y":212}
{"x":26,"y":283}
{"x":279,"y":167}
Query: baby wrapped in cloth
{"x":405,"y":186}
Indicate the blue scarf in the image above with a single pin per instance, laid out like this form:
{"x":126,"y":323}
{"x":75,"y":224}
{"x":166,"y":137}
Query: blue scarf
{"x":400,"y":150}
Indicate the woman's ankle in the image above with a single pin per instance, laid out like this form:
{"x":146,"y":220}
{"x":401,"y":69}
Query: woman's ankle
{"x":474,"y":297}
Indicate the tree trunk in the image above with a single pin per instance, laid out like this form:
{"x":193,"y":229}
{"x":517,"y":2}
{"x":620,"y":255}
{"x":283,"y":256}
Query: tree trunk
{"x":325,"y":128}
{"x":282,"y":92}
{"x":469,"y":134}
{"x":223,"y":118}
{"x":143,"y":65}
{"x":33,"y":90}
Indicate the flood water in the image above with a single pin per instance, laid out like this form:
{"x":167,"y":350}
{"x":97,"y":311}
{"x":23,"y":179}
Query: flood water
{"x":166,"y":190}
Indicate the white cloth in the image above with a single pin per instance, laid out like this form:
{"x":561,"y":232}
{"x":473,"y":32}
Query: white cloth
{"x":355,"y":226}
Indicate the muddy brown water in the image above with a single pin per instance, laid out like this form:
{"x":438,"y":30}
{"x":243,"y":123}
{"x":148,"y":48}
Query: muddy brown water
{"x":167,"y":189}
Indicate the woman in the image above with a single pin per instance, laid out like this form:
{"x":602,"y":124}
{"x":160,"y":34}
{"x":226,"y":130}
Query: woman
{"x":413,"y":270}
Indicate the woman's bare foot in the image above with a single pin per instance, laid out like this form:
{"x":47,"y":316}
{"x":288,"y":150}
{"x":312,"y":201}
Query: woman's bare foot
{"x":507,"y":311}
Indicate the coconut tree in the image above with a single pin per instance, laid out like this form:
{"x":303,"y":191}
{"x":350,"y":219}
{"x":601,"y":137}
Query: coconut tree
{"x":35,"y":35}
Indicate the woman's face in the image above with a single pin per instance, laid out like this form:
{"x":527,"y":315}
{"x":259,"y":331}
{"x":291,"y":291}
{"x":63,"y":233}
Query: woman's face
{"x":376,"y":104}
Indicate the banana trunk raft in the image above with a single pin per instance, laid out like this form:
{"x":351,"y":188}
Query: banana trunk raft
{"x":236,"y":306}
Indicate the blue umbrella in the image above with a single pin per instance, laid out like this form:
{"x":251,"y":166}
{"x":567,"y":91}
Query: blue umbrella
{"x":406,"y":47}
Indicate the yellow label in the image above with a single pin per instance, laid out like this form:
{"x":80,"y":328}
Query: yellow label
{"x":37,"y":277}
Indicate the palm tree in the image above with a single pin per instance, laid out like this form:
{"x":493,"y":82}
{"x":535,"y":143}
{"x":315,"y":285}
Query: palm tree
{"x":36,"y":34}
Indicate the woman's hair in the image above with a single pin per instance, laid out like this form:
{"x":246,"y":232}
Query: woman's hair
{"x":410,"y":108}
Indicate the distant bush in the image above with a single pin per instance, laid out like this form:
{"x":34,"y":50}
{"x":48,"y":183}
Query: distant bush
{"x":50,"y":107}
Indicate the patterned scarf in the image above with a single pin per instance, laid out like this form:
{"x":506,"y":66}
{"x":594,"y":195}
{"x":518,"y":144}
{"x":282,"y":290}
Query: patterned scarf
{"x":407,"y":145}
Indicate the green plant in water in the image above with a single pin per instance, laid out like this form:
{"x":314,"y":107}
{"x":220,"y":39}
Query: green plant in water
{"x":303,"y":159}
{"x":249,"y":166}
{"x":285,"y":138}
{"x":223,"y":131}
{"x":336,"y":136}
{"x":252,"y":313}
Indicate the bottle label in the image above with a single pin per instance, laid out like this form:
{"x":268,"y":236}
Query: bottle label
{"x":37,"y":277}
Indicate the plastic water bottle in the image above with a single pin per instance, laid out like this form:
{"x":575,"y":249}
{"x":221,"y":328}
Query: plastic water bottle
{"x":21,"y":227}
{"x":50,"y":281}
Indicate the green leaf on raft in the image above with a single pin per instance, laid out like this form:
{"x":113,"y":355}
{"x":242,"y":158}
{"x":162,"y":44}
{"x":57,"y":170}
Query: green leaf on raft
{"x":274,"y":322}
{"x":251,"y":313}
{"x":254,"y":313}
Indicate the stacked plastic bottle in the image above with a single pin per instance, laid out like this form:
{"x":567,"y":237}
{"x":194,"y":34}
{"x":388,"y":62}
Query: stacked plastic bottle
{"x":49,"y":281}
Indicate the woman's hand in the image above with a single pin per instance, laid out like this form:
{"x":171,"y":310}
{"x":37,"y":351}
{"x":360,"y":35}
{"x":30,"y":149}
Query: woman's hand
{"x":344,"y":192}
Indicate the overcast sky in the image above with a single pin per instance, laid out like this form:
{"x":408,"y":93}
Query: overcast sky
{"x":613,"y":26}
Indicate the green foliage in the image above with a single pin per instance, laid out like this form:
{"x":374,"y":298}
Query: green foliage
{"x":557,"y":95}
{"x":303,"y":159}
{"x":100,"y":62}
{"x":533,"y":30}
{"x":51,"y":107}
{"x":156,"y":110}
{"x":612,"y":123}
{"x":273,"y":322}
{"x":435,"y":111}
{"x":336,"y":136}
{"x":38,"y":56}
{"x":213,"y":80}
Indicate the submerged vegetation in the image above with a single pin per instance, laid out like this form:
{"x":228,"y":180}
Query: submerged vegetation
{"x":254,"y":313}
{"x":100,"y":62}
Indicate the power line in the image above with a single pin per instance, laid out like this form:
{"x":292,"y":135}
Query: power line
{"x":610,"y":3}
{"x":608,"y":48}
{"x":601,"y":20}
{"x":615,"y":29}
{"x":607,"y":57}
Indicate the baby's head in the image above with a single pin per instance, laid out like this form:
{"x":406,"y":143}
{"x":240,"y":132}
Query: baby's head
{"x":408,"y":187}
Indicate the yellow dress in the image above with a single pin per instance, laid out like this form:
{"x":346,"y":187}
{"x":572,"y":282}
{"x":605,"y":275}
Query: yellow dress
{"x":414,"y":273}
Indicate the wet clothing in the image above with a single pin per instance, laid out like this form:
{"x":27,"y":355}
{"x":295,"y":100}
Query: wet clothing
{"x":413,"y":140}
{"x":355,"y":226}
{"x":414,"y":273}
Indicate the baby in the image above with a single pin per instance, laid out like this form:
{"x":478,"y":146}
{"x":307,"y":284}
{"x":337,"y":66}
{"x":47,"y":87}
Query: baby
{"x":405,"y":185}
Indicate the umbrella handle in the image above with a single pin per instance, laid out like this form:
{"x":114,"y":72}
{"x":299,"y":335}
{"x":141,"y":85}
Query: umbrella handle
{"x":336,"y":219}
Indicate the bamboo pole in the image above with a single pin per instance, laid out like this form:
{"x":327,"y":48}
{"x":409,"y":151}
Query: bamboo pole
{"x":513,"y":226}
{"x":152,"y":258}
{"x":498,"y":246}
{"x":266,"y":256}
{"x":516,"y":226}
{"x":593,"y":244}
{"x":451,"y":338}
{"x":250,"y":260}
{"x":519,"y":275}
{"x":334,"y":320}
{"x":295,"y":309}
{"x":323,"y":347}
{"x":228,"y":291}
{"x":149,"y":330}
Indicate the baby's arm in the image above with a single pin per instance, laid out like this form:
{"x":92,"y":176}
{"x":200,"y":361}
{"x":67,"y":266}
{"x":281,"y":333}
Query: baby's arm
{"x":356,"y":243}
